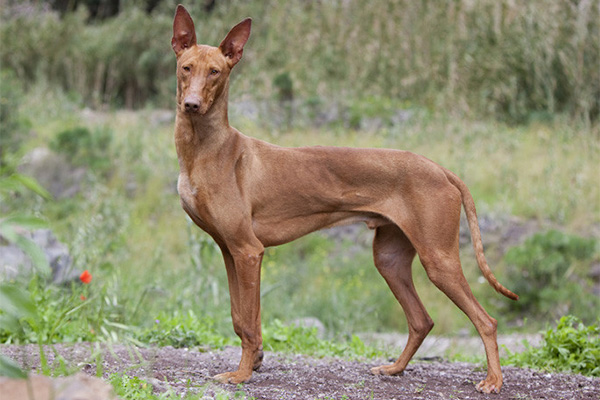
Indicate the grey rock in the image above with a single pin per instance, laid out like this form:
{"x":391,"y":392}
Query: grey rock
{"x":14,"y":262}
{"x":53,"y":172}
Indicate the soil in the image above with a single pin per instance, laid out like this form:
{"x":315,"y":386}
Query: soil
{"x":286,"y":376}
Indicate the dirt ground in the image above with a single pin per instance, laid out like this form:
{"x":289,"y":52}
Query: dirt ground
{"x":285,"y":376}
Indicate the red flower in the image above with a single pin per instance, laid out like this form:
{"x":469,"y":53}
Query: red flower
{"x":82,"y":297}
{"x":85,"y":277}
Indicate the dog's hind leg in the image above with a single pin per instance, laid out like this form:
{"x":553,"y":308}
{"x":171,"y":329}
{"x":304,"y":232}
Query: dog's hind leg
{"x":393,"y":254}
{"x":446,"y":273}
{"x":435,"y":236}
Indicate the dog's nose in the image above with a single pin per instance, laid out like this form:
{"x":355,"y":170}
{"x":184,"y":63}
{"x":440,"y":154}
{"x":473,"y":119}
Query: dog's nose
{"x":192,"y":103}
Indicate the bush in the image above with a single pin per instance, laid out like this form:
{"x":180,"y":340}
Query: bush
{"x":83,"y":147}
{"x":571,"y":347}
{"x":548,"y":273}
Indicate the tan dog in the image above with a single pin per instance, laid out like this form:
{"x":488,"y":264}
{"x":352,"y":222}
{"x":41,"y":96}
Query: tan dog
{"x":249,"y":194}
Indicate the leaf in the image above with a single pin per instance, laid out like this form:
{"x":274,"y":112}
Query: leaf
{"x":32,"y":185}
{"x":8,"y":232}
{"x":25,"y":221}
{"x":16,"y":302}
{"x":118,"y":325}
{"x":10,"y":369}
{"x":10,"y":323}
{"x":38,"y":258}
{"x":564,"y":352}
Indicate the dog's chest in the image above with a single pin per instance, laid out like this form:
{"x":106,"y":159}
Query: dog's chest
{"x":188,"y":194}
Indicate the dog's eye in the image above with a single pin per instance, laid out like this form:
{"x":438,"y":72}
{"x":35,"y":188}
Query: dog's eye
{"x":187,"y":68}
{"x":214,"y":72}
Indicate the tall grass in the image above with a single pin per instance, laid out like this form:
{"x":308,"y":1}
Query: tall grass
{"x":503,"y":58}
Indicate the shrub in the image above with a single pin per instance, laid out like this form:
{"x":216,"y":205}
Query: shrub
{"x":571,"y":347}
{"x":547,"y":271}
{"x":83,"y":147}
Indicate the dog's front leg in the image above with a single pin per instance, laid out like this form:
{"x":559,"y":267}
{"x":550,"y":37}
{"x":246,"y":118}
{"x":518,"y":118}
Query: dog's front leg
{"x":243,"y":273}
{"x":236,"y":312}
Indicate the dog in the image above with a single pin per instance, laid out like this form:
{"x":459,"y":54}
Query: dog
{"x":248,"y":195}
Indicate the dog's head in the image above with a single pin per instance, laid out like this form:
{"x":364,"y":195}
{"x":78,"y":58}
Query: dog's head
{"x":203,"y":71}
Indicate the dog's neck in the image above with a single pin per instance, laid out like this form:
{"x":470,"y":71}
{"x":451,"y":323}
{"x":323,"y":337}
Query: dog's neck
{"x":200,"y":135}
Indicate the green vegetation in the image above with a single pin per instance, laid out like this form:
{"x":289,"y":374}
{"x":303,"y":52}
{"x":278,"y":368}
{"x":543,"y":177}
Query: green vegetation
{"x":84,"y":148}
{"x":549,"y":272}
{"x":132,"y":387}
{"x":515,"y":60}
{"x":302,"y":340}
{"x":570,"y":347}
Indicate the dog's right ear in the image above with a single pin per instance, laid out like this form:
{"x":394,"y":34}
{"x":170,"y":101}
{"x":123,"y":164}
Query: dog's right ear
{"x":184,"y":32}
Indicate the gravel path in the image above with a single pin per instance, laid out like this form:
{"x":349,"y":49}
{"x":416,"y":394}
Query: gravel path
{"x":284,"y":376}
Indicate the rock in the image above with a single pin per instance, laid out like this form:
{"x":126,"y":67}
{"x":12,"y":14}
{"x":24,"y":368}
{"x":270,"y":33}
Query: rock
{"x":76,"y":387}
{"x":595,"y":271}
{"x":15,"y":262}
{"x":53,"y":172}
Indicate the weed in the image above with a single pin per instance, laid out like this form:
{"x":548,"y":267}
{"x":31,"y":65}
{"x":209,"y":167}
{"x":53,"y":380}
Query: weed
{"x":570,"y":347}
{"x":133,"y":387}
{"x":10,"y":369}
{"x":184,"y":330}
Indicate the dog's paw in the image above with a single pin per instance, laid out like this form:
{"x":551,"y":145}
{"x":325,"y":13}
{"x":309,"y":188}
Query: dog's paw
{"x":489,"y":385}
{"x":387,"y":370}
{"x":258,"y":359}
{"x":233,"y":377}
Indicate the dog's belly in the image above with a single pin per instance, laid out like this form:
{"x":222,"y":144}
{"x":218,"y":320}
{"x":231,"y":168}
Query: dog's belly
{"x":274,"y":233}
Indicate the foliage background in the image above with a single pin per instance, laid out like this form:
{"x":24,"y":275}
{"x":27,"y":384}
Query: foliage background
{"x":500,"y":58}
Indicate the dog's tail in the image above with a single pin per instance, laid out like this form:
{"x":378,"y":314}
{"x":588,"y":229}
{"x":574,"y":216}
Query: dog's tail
{"x":469,"y":206}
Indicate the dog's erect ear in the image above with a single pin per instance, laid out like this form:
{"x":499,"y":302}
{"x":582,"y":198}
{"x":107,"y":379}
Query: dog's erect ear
{"x":184,"y":33}
{"x":232,"y":46}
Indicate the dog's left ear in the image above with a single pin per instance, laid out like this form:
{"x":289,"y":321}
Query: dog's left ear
{"x":232,"y":46}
